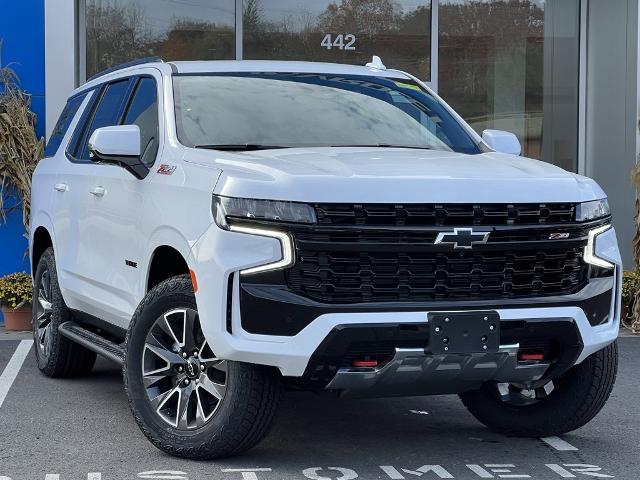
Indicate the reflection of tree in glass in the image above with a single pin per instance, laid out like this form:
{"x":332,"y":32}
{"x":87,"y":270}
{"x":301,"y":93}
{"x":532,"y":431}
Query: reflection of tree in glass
{"x":252,"y":16}
{"x":491,"y":55}
{"x":500,"y":19}
{"x":381,"y":27}
{"x":117,"y":33}
{"x":197,"y":40}
{"x":366,"y":17}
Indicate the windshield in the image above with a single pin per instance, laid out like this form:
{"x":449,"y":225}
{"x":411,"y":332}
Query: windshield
{"x":243,"y":111}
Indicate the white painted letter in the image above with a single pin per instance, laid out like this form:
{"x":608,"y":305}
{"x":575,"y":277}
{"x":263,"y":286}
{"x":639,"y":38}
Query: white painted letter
{"x":247,"y":473}
{"x":504,"y":470}
{"x":56,"y":476}
{"x":163,"y":475}
{"x":345,"y":473}
{"x":478,"y":470}
{"x":394,"y":474}
{"x":588,"y":470}
{"x":564,"y":473}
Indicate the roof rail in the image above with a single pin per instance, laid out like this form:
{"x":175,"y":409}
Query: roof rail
{"x":132,"y":63}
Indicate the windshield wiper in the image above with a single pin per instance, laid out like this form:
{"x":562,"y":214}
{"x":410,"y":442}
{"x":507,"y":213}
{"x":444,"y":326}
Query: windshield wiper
{"x":387,"y":145}
{"x":240,"y":147}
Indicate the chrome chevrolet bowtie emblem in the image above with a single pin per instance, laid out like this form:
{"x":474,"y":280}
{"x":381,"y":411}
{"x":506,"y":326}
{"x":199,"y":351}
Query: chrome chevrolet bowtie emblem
{"x":192,"y":368}
{"x":462,"y":238}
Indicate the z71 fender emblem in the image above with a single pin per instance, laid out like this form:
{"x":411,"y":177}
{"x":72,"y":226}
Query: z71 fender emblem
{"x":166,"y":169}
{"x":462,"y":238}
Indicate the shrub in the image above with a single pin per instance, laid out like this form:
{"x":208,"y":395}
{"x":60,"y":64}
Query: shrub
{"x":629,"y":286}
{"x":16,"y":290}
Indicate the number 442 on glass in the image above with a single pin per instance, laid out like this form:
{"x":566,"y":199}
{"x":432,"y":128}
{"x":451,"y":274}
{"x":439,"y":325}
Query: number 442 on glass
{"x":341,"y":42}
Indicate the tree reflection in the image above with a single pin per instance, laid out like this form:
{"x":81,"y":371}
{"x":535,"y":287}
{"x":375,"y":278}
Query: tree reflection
{"x":491,"y":65}
{"x":119,"y":31}
{"x":381,"y":27}
{"x":115,"y":34}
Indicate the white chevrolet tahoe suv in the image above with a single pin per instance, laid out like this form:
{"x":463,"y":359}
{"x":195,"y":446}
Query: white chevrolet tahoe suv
{"x":226,"y":230}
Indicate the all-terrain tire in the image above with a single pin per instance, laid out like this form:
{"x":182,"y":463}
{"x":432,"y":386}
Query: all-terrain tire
{"x":63,"y":357}
{"x":245,"y":414}
{"x":577,"y":398}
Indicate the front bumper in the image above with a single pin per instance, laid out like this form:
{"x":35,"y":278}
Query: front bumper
{"x":218,"y":257}
{"x":411,"y":372}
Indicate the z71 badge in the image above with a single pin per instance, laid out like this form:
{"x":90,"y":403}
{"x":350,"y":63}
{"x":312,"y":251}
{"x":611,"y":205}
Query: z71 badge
{"x":166,"y":169}
{"x":559,"y":236}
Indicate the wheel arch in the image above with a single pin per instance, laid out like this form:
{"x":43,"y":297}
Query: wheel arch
{"x":41,"y":240}
{"x":165,"y":262}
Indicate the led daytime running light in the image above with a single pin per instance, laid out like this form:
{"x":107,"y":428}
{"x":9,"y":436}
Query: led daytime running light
{"x":288,"y":258}
{"x":590,"y":250}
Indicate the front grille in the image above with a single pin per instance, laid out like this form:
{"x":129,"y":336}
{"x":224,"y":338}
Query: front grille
{"x":386,"y":253}
{"x":334,"y":238}
{"x":368,"y":276}
{"x":400,"y":215}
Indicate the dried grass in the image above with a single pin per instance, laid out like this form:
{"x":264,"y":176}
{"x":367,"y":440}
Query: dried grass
{"x":635,"y":323}
{"x":20,"y":148}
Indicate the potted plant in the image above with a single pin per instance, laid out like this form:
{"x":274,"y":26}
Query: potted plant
{"x":16,"y":293}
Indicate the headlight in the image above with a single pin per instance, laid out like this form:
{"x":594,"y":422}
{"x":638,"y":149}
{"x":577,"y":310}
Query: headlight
{"x":267,"y":210}
{"x":225,"y":208}
{"x":592,"y":210}
{"x":590,"y":255}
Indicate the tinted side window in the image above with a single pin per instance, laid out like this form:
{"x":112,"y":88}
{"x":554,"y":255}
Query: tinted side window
{"x":59,"y":131}
{"x":143,"y":112}
{"x":75,"y":144}
{"x":106,"y":114}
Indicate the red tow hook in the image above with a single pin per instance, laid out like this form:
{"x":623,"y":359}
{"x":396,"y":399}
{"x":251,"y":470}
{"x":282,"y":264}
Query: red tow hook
{"x":366,"y":363}
{"x":530,"y":356}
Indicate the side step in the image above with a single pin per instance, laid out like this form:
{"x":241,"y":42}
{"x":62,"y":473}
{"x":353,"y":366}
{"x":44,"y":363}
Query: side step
{"x":93,"y":341}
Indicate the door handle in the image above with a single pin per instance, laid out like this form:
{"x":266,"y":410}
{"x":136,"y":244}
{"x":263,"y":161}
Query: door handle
{"x":61,"y":187}
{"x":98,"y":191}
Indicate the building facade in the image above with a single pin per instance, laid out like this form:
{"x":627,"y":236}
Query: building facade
{"x":560,"y":74}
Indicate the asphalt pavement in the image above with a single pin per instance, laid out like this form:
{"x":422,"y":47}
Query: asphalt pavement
{"x":55,"y":429}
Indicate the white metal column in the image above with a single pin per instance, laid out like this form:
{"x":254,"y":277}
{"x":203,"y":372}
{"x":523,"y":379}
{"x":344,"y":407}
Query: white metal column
{"x":60,"y":57}
{"x":434,"y":45}
{"x":81,"y":57}
{"x":582,"y":88}
{"x":239,"y":16}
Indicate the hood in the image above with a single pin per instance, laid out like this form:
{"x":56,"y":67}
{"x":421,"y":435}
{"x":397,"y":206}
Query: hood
{"x":393,"y":175}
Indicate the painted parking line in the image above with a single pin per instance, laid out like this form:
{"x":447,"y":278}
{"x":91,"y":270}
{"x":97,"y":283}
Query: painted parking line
{"x":559,"y":444}
{"x":13,"y":367}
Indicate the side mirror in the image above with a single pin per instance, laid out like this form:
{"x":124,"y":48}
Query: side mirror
{"x":503,"y":142}
{"x":118,"y":145}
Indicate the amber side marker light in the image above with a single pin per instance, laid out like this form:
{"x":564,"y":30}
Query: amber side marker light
{"x":194,"y":280}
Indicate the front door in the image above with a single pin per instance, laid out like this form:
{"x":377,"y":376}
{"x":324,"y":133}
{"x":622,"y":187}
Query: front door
{"x":115,"y":209}
{"x":85,"y":278}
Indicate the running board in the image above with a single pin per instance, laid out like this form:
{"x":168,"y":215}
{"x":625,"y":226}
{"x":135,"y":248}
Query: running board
{"x":92,"y":341}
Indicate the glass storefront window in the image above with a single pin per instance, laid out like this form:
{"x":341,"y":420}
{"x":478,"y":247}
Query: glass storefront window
{"x":510,"y":65}
{"x":121,"y":30}
{"x":515,"y":66}
{"x":342,"y":31}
